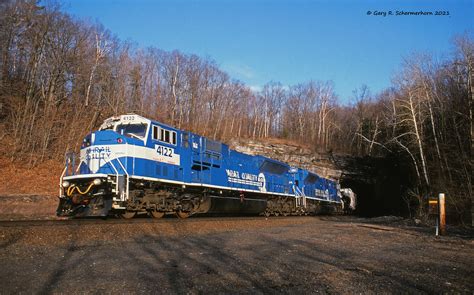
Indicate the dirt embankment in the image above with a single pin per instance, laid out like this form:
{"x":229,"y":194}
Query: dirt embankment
{"x":22,"y":179}
{"x":28,"y":192}
{"x":27,"y":207}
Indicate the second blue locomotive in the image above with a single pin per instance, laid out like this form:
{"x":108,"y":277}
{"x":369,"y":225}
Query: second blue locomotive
{"x":133,"y":165}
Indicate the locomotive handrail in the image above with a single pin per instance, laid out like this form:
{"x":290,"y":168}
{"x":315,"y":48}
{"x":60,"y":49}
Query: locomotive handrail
{"x":126,"y":173}
{"x":61,"y":182}
{"x":298,"y":192}
{"x":70,"y":160}
{"x":116,"y":175}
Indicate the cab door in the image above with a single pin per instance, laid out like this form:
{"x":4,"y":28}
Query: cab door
{"x":297,"y":177}
{"x":200,"y":169}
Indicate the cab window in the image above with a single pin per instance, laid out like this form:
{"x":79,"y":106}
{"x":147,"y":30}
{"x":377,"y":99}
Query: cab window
{"x":164,"y":135}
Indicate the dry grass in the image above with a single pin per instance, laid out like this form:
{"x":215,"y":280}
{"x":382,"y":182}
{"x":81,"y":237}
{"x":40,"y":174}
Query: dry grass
{"x":20,"y":178}
{"x":42,"y":179}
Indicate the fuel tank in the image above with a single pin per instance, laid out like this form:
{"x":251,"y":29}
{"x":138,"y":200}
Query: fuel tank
{"x":231,"y":205}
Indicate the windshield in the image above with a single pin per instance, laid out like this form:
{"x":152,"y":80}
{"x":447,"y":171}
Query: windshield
{"x":132,"y":130}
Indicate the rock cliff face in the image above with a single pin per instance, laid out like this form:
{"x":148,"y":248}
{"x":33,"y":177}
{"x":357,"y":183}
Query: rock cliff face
{"x":322,"y":164}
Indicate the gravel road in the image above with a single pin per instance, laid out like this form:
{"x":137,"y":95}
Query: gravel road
{"x":231,"y":255}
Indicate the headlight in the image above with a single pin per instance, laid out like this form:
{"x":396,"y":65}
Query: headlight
{"x":97,"y":181}
{"x":65,"y":183}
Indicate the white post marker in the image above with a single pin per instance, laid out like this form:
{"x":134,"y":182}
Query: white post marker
{"x":442,"y":214}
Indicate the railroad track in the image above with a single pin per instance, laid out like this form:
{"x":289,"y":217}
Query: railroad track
{"x":139,"y":220}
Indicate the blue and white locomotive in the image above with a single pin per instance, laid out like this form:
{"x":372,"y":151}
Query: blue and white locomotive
{"x":133,"y":165}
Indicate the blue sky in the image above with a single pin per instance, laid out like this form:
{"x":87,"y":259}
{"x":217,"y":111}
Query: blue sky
{"x":289,"y":41}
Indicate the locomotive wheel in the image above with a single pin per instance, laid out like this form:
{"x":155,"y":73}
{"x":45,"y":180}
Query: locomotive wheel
{"x":276,"y":213}
{"x":182,"y":214}
{"x":157,"y":214}
{"x":266,"y":213}
{"x":128,"y":214}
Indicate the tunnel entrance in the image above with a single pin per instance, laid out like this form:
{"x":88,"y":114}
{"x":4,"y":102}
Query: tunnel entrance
{"x":380,"y":184}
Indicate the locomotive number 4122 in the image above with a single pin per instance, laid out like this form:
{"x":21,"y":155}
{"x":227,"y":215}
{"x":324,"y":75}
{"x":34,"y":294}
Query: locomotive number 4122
{"x":164,"y":151}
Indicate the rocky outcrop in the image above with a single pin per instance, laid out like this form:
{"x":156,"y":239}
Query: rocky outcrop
{"x":295,"y":155}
